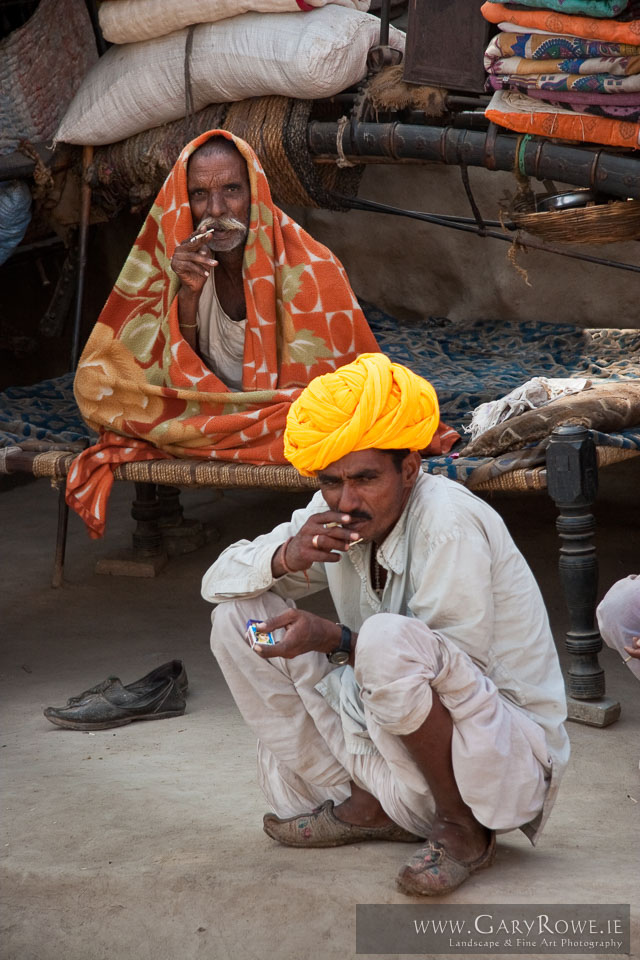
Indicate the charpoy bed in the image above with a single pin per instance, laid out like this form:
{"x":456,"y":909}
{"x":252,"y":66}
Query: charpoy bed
{"x":557,"y":448}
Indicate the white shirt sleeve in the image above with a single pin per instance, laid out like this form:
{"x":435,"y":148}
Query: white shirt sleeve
{"x":244,"y":568}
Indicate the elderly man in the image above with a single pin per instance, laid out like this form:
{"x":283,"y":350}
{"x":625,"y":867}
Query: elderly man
{"x":212,"y":312}
{"x":435,"y":707}
{"x":224,"y":310}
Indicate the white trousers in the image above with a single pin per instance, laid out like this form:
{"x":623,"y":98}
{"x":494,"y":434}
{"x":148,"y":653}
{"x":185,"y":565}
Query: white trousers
{"x":499,"y":755}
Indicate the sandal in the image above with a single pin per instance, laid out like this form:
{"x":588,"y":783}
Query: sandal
{"x":432,"y":872}
{"x":322,"y":828}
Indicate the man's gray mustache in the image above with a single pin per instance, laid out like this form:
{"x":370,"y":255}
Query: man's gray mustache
{"x":221,"y":223}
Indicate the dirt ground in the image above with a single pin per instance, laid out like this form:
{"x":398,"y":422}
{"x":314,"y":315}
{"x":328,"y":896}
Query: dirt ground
{"x":146,"y":841}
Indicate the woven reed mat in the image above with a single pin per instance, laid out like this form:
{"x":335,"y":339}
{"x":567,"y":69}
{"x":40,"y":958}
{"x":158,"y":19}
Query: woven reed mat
{"x":208,"y":473}
{"x":131,"y":172}
{"x":179,"y":473}
{"x":535,"y":478}
{"x":42,"y":64}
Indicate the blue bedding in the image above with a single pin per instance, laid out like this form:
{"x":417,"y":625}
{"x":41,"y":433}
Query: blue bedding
{"x":468,"y":362}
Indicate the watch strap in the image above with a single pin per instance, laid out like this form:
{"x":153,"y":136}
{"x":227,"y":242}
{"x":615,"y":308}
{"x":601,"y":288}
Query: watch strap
{"x":345,"y":641}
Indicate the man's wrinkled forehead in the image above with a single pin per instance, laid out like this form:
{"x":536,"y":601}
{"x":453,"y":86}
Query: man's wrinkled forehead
{"x":359,"y":465}
{"x":216,"y":147}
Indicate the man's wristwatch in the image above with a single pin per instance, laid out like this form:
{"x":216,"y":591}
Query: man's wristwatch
{"x":342,"y":653}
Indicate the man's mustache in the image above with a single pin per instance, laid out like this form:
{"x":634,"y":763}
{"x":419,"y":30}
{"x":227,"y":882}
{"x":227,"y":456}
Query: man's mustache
{"x":221,"y":223}
{"x":359,"y":515}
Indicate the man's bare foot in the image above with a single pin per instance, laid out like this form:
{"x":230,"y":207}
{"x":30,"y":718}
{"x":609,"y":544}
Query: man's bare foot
{"x":466,"y":840}
{"x":361,"y":809}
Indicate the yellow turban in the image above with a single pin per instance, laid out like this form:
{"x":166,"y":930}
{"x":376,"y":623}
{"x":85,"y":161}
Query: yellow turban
{"x":370,"y":403}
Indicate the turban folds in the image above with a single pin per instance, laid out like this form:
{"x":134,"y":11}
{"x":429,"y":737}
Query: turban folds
{"x":370,"y":403}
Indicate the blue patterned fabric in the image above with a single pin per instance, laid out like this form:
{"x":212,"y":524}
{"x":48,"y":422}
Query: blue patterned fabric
{"x":472,"y":362}
{"x":45,"y":411}
{"x":468,"y":362}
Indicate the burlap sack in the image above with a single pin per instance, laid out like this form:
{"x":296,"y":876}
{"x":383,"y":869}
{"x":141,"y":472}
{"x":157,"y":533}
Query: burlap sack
{"x":127,"y":21}
{"x":138,"y":86}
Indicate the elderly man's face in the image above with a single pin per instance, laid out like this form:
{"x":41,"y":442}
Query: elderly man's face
{"x":371,"y":489}
{"x":218,"y":187}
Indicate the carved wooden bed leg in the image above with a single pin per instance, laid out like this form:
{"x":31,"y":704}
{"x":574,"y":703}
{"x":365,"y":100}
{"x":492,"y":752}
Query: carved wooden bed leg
{"x":179,"y":535}
{"x":148,"y":555}
{"x":572,"y":482}
{"x":145,"y":510}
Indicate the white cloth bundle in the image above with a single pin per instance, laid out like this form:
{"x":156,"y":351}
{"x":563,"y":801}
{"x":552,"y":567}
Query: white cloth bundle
{"x":536,"y":392}
{"x":141,"y":85}
{"x":127,"y":21}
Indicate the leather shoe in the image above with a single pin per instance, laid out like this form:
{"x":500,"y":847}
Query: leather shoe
{"x":321,"y":828}
{"x":173,"y":670}
{"x":115,"y":706}
{"x":432,"y":872}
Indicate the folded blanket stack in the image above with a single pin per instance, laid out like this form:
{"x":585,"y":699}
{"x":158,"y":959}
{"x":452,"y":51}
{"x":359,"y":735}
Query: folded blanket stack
{"x":566,"y":68}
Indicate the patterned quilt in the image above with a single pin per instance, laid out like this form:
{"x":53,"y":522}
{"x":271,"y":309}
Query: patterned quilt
{"x":471,"y":362}
{"x":468,"y":362}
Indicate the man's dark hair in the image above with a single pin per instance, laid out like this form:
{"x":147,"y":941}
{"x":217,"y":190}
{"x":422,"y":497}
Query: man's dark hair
{"x":398,"y":457}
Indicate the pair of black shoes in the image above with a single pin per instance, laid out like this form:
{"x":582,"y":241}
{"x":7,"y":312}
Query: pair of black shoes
{"x":110,"y":703}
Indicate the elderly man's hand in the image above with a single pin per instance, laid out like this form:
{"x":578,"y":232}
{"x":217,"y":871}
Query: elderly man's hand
{"x":192,"y":262}
{"x":304,"y":632}
{"x":322,"y":539}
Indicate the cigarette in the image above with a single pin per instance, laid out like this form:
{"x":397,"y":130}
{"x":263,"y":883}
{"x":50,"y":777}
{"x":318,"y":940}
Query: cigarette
{"x":201,"y":236}
{"x":335,"y":524}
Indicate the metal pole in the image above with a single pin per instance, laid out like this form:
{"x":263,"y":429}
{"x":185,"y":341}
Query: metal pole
{"x":590,"y":166}
{"x":87,"y":157}
{"x":385,"y":11}
{"x":63,"y":509}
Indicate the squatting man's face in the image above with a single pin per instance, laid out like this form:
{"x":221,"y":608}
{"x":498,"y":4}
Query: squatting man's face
{"x":368,"y":486}
{"x":219,"y":192}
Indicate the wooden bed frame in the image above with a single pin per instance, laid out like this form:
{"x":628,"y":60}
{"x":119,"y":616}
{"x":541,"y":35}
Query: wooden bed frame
{"x":570,"y":477}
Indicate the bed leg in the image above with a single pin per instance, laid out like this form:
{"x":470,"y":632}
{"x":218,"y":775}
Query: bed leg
{"x":572,"y":483}
{"x":145,"y":510}
{"x":148,"y":556}
{"x":61,"y":537}
{"x":179,"y":534}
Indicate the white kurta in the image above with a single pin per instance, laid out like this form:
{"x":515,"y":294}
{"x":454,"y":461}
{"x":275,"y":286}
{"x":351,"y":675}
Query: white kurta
{"x":451,"y":565}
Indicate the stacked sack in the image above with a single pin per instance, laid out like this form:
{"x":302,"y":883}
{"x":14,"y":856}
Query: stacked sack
{"x":172,"y":59}
{"x":566,"y":68}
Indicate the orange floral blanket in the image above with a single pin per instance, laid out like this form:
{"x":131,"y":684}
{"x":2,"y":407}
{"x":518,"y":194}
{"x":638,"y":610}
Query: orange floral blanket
{"x":149,"y":395}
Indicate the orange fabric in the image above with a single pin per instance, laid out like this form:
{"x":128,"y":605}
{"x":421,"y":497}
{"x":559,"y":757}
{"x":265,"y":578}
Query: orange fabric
{"x":138,"y":378}
{"x":590,"y":28}
{"x":570,"y":126}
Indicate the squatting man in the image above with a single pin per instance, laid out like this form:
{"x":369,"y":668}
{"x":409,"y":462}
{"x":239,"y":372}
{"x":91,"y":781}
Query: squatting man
{"x":434,"y":709}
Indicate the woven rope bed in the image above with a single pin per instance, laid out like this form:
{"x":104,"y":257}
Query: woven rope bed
{"x":469,"y":363}
{"x":55,"y":464}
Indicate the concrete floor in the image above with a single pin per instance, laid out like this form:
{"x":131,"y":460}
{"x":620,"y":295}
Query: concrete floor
{"x":146,"y":841}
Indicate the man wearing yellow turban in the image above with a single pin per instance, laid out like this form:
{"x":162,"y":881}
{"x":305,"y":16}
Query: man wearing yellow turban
{"x":434,"y":708}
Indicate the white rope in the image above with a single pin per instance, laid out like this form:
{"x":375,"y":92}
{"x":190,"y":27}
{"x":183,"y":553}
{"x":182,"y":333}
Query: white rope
{"x":342,"y":160}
